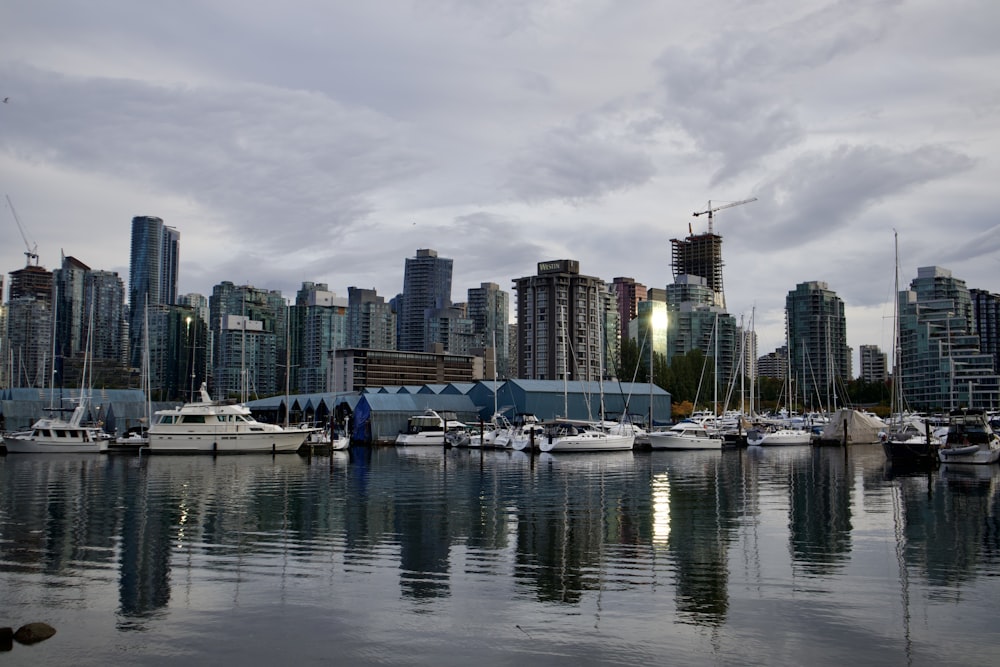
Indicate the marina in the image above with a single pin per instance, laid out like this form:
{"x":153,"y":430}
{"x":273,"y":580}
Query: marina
{"x":426,"y":555}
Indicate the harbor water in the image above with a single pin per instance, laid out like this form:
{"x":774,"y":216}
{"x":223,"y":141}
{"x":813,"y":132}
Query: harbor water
{"x":427,"y":556}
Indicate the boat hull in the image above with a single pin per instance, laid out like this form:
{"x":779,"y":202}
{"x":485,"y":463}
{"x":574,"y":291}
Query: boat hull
{"x":972,"y":454}
{"x":27,"y":445}
{"x":219,"y":442}
{"x":911,"y":451}
{"x":598,"y":442}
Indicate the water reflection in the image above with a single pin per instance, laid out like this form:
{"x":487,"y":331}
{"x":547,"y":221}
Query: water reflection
{"x":691,"y":537}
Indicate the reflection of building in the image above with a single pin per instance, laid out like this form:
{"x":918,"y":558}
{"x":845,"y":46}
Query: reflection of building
{"x":820,"y":514}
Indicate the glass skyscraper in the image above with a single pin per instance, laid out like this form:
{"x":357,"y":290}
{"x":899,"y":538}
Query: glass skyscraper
{"x":426,"y":286}
{"x":153,"y":266}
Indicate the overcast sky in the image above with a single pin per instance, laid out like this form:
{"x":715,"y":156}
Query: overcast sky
{"x":324,"y":141}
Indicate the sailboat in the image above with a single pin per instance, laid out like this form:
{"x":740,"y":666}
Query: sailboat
{"x":909,"y":440}
{"x":60,"y":436}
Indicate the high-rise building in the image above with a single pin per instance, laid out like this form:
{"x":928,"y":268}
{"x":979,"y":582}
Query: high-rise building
{"x":153,"y":268}
{"x":33,"y":280}
{"x":249,"y":333}
{"x":774,"y":364}
{"x":449,"y":329}
{"x":695,"y":321}
{"x":426,"y":286}
{"x":27,"y":343}
{"x":986,"y":321}
{"x":318,"y":323}
{"x":489,"y":310}
{"x":818,"y":356}
{"x":628,"y":293}
{"x":649,"y":331}
{"x":941,"y":364}
{"x":874,"y":364}
{"x":701,"y":255}
{"x":559,"y":315}
{"x":371,"y":324}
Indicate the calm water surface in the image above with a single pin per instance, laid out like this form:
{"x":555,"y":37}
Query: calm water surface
{"x":395,"y":556}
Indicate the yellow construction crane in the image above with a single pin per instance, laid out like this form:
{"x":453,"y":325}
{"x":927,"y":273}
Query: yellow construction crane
{"x":711,"y":210}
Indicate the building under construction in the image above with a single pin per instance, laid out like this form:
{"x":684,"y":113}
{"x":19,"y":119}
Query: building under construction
{"x":700,"y":255}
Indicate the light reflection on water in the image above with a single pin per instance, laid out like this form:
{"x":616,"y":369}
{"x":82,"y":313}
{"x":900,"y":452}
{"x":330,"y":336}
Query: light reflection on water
{"x":418,"y":555}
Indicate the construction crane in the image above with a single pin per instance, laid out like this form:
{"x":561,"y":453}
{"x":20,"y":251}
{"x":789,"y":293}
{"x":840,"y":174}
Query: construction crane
{"x":30,"y":252}
{"x":711,"y":210}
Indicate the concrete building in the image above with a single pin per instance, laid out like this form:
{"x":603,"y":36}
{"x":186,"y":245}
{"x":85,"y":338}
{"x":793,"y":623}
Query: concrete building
{"x":874,"y":364}
{"x":773,"y":364}
{"x":701,"y":255}
{"x":559,"y":312}
{"x":355,"y":369}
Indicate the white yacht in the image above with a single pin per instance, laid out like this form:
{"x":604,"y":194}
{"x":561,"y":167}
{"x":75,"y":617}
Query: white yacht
{"x":569,"y":436}
{"x":686,"y":434}
{"x":208,"y":426}
{"x":429,"y":428}
{"x":59,"y":436}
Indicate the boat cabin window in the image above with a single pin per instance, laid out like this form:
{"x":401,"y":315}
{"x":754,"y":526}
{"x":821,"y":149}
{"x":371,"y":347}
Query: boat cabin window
{"x":192,"y":419}
{"x":166,"y":419}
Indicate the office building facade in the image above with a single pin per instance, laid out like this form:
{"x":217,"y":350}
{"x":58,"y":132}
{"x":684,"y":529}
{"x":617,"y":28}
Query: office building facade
{"x":559,"y":315}
{"x":426,"y":286}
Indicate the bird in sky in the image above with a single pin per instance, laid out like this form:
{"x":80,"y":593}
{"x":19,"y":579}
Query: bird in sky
{"x":5,"y":100}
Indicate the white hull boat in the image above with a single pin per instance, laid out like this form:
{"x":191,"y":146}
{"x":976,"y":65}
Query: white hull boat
{"x":684,"y":435}
{"x":58,"y":436}
{"x":208,"y":426}
{"x":430,"y":429}
{"x":970,"y":439}
{"x":571,"y":438}
{"x":783,"y":436}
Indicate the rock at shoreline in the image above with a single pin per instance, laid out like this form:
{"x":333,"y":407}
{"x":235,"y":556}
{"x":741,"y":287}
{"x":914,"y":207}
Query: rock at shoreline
{"x":32,"y":633}
{"x":6,"y":639}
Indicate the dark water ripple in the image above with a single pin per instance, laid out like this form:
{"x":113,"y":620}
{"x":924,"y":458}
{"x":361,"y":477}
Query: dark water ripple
{"x":390,"y":556}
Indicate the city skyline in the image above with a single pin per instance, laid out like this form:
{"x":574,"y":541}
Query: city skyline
{"x":506,"y":136}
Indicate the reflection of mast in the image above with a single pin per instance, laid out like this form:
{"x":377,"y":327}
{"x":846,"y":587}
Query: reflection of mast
{"x":904,"y":579}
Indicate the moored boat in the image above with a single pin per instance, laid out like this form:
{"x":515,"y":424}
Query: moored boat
{"x":59,"y":436}
{"x":970,"y":439}
{"x":685,"y":434}
{"x":571,"y":436}
{"x":208,"y":426}
{"x":430,"y":428}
